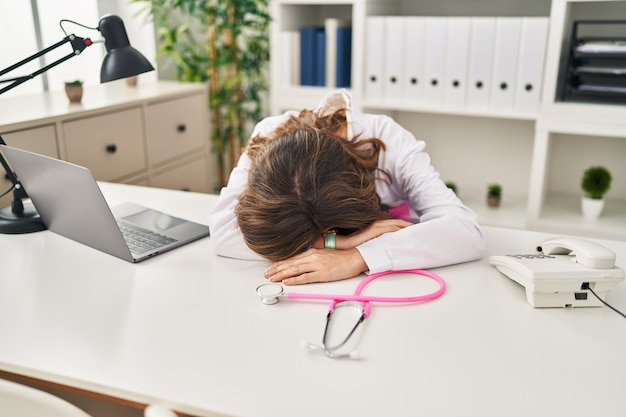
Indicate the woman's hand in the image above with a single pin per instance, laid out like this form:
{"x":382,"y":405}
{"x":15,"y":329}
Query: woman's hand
{"x":317,"y":265}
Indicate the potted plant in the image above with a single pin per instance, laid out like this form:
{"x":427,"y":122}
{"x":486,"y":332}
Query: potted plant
{"x":595,"y":183}
{"x":452,"y":185}
{"x":224,"y":43}
{"x":74,"y":91}
{"x":494,"y":194}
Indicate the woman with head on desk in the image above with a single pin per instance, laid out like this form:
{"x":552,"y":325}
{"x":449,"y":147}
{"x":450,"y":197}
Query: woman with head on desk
{"x":330,"y":193}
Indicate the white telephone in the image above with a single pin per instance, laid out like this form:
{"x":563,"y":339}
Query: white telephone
{"x":561,"y":271}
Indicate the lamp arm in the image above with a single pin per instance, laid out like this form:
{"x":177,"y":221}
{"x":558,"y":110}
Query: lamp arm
{"x":78,"y":45}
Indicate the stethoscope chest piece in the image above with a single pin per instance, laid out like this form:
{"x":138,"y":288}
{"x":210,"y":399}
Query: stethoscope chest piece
{"x":269,"y":293}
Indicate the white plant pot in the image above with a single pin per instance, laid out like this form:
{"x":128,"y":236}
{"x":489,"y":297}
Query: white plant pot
{"x":592,"y":207}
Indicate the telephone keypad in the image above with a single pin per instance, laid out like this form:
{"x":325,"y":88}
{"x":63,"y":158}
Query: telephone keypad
{"x":532,"y":256}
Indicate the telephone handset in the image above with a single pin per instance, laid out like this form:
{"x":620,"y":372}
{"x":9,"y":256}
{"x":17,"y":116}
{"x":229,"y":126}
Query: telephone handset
{"x":586,"y":252}
{"x":560,"y":271}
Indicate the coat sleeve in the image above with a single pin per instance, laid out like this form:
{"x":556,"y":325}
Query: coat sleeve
{"x":446,"y":231}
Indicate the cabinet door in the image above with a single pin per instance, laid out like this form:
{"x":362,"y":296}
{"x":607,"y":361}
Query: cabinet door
{"x":175,"y":128}
{"x":42,"y":140}
{"x":110,"y":145}
{"x":192,"y":176}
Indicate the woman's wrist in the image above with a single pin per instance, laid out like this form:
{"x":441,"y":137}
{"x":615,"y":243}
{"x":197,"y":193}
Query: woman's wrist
{"x":330,"y":239}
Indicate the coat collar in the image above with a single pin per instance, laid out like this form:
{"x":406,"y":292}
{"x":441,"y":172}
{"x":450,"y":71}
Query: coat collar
{"x":341,"y":99}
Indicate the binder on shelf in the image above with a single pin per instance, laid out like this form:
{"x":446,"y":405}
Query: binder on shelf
{"x":312,"y":56}
{"x":480,"y":61}
{"x":414,"y":55}
{"x":393,"y":57}
{"x":435,"y":57}
{"x":308,"y":53}
{"x":320,"y":59}
{"x":338,"y":52}
{"x":455,"y":76}
{"x":374,"y":44}
{"x":344,"y":57}
{"x":330,"y":28}
{"x":534,"y":35}
{"x":290,"y":56}
{"x":505,"y":62}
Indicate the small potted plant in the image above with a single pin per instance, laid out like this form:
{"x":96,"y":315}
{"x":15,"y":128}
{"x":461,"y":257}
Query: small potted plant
{"x":494,"y":194}
{"x":451,"y":185}
{"x":74,"y":90}
{"x":595,"y":183}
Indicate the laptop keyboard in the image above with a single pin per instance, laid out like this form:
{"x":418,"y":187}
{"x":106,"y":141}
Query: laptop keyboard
{"x":141,"y":241}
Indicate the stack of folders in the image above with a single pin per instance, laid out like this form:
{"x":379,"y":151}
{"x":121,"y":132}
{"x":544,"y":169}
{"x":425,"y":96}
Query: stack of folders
{"x":319,"y":56}
{"x":456,"y":62}
{"x":596,"y":70}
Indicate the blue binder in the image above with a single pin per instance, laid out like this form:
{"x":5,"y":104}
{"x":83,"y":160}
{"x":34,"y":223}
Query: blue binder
{"x":344,"y":56}
{"x":312,"y":56}
{"x":307,"y":55}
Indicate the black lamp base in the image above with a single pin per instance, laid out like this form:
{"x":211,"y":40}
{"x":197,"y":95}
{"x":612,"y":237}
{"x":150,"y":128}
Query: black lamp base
{"x":28,"y":222}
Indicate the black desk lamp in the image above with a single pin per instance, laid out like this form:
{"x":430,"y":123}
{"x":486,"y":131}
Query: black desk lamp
{"x":121,"y":61}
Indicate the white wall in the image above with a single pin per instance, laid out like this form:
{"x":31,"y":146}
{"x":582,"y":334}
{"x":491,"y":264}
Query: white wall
{"x":475,"y":151}
{"x":18,"y":39}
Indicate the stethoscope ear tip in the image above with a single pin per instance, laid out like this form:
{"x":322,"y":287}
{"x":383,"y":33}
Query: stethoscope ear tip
{"x":305,"y":344}
{"x":355,"y":355}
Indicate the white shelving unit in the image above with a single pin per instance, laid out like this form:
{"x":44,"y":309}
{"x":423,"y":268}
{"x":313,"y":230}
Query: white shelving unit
{"x":538,"y":157}
{"x":572,"y":136}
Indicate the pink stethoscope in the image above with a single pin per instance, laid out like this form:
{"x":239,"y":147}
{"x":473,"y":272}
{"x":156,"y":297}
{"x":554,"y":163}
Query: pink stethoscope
{"x":270,"y":294}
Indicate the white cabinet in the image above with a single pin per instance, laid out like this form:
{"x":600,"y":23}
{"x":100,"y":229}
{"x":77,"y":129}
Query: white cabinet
{"x":152,"y":134}
{"x":173,"y":128}
{"x":536,"y":151}
{"x":40,"y":139}
{"x":111,"y":145}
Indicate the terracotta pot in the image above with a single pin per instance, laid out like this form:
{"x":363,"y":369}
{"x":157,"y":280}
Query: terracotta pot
{"x":74,"y":93}
{"x":131,"y":81}
{"x":493,"y":201}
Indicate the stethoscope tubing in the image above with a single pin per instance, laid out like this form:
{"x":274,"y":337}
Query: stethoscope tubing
{"x":364,"y":300}
{"x":377,"y":299}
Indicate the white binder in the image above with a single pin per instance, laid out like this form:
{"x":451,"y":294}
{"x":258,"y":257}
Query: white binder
{"x":531,"y":58}
{"x":457,"y":45}
{"x":374,"y":64}
{"x":482,"y":34}
{"x":435,"y":59}
{"x":414,"y":54}
{"x":505,"y":62}
{"x":330,"y":28}
{"x":290,"y":57}
{"x":393,"y":61}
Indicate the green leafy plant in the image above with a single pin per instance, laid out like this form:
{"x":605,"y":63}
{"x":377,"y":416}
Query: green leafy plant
{"x":494,"y":190}
{"x":224,"y":43}
{"x":596,"y":182}
{"x":74,"y":83}
{"x":452,"y":185}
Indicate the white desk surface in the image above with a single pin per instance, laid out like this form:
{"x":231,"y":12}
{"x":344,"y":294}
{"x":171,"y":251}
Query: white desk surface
{"x":186,"y":329}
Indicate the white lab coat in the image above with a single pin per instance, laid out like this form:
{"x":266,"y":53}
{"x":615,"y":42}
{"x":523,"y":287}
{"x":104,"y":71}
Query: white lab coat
{"x":447,"y":231}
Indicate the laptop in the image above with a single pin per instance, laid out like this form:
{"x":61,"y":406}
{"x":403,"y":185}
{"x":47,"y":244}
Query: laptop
{"x":71,"y":204}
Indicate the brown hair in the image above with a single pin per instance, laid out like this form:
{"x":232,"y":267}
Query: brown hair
{"x":304,"y":180}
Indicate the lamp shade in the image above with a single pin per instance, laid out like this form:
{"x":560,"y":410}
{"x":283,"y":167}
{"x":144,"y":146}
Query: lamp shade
{"x":121,"y":60}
